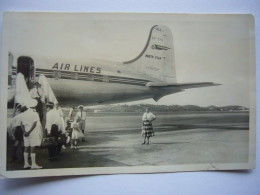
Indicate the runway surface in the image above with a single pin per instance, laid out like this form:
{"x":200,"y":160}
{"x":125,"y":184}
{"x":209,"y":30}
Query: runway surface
{"x":114,"y":139}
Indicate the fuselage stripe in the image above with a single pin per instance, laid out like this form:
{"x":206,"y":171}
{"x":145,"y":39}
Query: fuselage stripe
{"x":90,"y":77}
{"x":85,"y":74}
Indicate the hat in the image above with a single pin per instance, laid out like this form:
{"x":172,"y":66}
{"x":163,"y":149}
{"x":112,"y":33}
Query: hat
{"x":49,"y":104}
{"x":18,"y":106}
{"x":37,"y":83}
{"x":21,"y":105}
{"x":80,"y":106}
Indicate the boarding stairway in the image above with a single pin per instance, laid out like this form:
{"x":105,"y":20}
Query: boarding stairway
{"x":23,"y":96}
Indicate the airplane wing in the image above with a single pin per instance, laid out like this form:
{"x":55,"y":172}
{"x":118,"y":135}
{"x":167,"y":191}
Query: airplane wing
{"x":164,"y":88}
{"x":181,"y":85}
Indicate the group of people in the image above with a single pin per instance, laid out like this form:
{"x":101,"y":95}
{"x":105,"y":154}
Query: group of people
{"x":31,"y":123}
{"x":76,"y":128}
{"x":37,"y":119}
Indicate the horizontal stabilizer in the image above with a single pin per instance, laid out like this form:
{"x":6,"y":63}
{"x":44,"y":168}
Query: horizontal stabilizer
{"x":181,"y":85}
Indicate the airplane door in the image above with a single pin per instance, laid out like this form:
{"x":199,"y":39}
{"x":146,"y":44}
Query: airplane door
{"x":25,"y":65}
{"x":10,"y":64}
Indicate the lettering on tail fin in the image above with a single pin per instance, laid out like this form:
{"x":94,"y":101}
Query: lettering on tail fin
{"x":157,"y":57}
{"x":159,"y":47}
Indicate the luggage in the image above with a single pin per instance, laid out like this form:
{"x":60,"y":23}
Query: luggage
{"x":48,"y":142}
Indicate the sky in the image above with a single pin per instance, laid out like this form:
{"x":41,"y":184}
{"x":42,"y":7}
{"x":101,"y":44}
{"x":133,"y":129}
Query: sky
{"x":207,"y":48}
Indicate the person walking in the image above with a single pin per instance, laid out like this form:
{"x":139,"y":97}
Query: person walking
{"x":147,"y":128}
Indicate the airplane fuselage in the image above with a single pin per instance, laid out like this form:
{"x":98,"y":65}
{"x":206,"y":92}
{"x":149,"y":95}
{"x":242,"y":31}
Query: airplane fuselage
{"x":92,"y":83}
{"x":151,"y":74}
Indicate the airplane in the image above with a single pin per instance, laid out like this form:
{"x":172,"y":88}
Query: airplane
{"x":150,"y":75}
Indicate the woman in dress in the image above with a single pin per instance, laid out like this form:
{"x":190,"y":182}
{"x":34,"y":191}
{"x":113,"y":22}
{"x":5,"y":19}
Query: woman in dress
{"x":147,"y":128}
{"x":76,"y":133}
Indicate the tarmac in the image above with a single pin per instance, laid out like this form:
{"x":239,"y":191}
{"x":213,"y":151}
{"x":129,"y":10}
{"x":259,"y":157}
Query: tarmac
{"x":187,"y":138}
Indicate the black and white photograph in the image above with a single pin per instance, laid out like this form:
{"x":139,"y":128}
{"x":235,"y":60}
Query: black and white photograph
{"x":111,"y":93}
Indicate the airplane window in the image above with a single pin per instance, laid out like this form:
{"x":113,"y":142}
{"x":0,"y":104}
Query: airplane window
{"x":56,"y":75}
{"x":74,"y":75}
{"x":106,"y":79}
{"x":89,"y":77}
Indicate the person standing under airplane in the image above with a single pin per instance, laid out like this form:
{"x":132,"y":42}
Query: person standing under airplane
{"x":32,"y":134}
{"x":52,"y":127}
{"x":147,"y":128}
{"x":76,"y":133}
{"x":81,"y":114}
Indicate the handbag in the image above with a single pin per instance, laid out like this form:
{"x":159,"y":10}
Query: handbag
{"x":62,"y":139}
{"x":48,"y":142}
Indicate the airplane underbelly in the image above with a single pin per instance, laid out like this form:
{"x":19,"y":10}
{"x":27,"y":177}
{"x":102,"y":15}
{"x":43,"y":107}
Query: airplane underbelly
{"x":75,"y":92}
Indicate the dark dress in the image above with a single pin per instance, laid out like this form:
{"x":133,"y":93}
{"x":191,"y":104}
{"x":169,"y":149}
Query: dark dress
{"x":18,"y":133}
{"x":147,"y":129}
{"x":39,"y":108}
{"x":55,"y":149}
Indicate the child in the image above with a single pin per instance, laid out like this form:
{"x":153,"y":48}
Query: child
{"x":68,"y":130}
{"x":76,"y":133}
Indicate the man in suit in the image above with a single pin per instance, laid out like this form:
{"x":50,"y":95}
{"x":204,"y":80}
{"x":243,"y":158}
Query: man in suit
{"x":81,"y":114}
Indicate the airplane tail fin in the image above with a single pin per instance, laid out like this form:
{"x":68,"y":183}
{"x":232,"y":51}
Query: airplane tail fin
{"x":157,"y":57}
